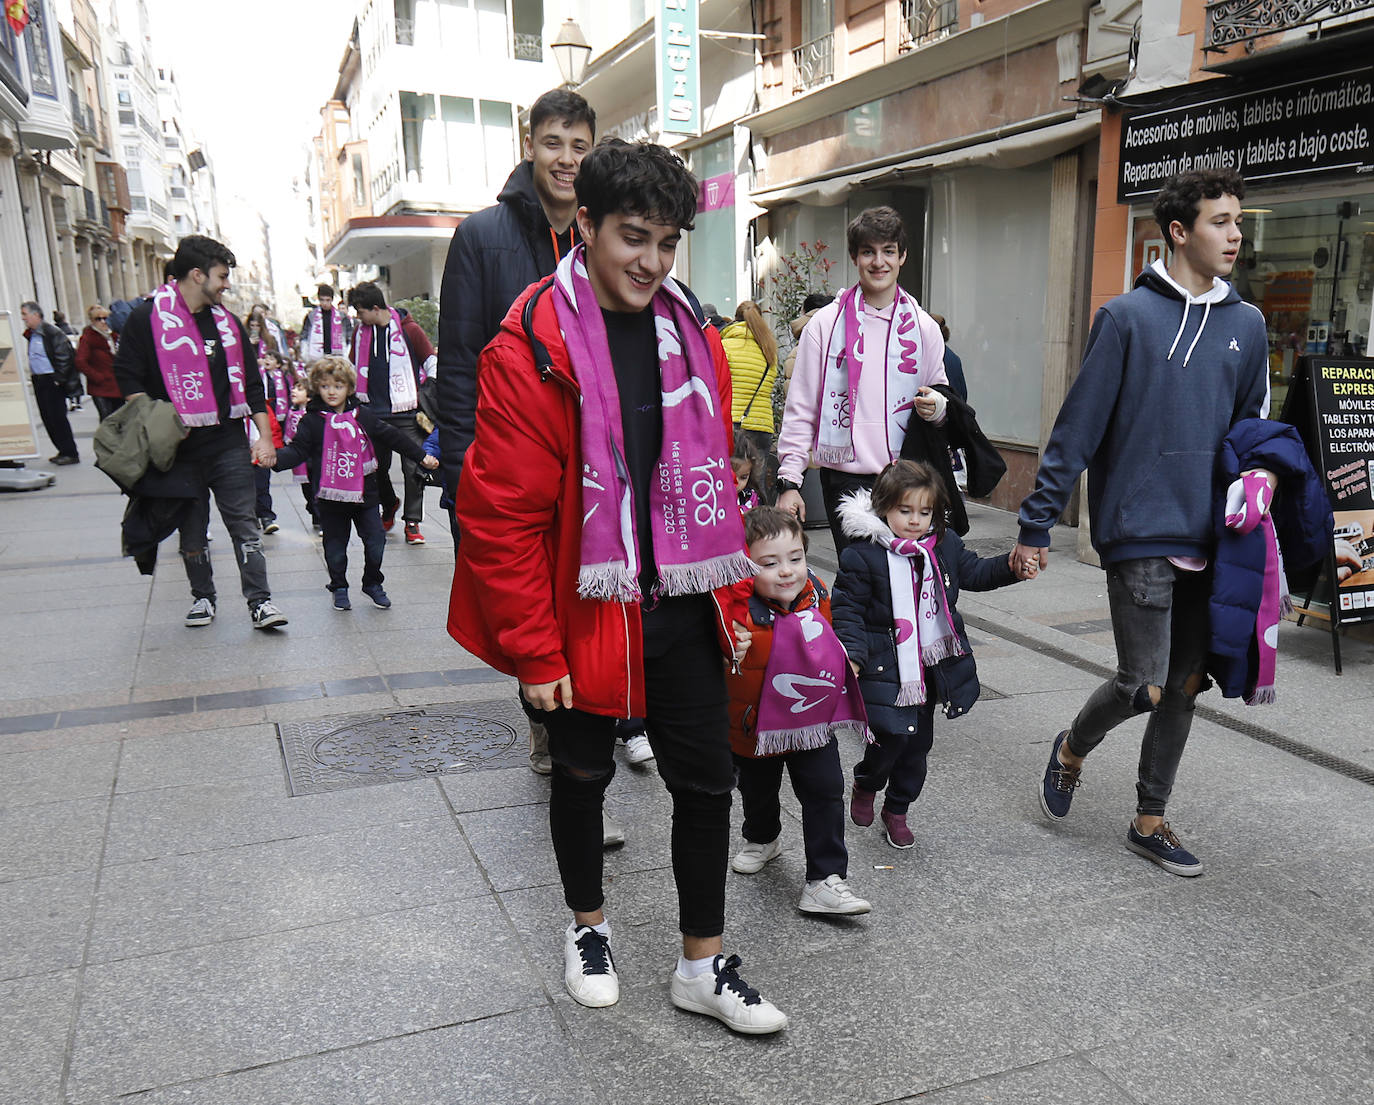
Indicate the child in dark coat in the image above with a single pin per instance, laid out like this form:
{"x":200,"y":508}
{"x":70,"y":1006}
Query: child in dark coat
{"x":334,"y":440}
{"x":894,"y":611}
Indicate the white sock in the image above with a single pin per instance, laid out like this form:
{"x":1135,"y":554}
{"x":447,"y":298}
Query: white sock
{"x":604,"y":928}
{"x":691,"y":968}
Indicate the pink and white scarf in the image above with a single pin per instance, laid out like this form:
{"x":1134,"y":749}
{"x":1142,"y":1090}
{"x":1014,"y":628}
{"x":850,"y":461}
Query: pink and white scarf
{"x":281,"y":392}
{"x":346,"y":458}
{"x":185,"y":363}
{"x":844,"y":362}
{"x":698,"y":540}
{"x":1247,"y":507}
{"x":301,"y":473}
{"x":400,"y":373}
{"x":922,"y":622}
{"x":748,"y":500}
{"x":810,"y":693}
{"x":312,"y":346}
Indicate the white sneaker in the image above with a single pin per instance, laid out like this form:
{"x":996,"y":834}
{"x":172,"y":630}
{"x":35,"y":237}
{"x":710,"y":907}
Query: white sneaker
{"x":722,"y":994}
{"x":612,"y":832}
{"x":588,"y":969}
{"x":202,"y":612}
{"x":832,"y":896}
{"x":752,"y":857}
{"x":637,"y":749}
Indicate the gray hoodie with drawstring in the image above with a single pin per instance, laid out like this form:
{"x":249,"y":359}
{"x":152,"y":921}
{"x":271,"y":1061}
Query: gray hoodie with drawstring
{"x":1165,"y":376}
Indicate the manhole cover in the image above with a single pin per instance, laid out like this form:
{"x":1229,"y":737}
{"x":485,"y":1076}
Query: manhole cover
{"x":352,"y":750}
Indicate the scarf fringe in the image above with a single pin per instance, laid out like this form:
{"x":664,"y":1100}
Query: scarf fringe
{"x":704,"y":576}
{"x":299,"y":477}
{"x":911,"y":694}
{"x":777,"y":742}
{"x":238,"y":410}
{"x":607,"y":583}
{"x":207,"y":418}
{"x":369,"y":466}
{"x":943,"y":649}
{"x":338,"y":495}
{"x":831,"y":455}
{"x":1263,"y":696}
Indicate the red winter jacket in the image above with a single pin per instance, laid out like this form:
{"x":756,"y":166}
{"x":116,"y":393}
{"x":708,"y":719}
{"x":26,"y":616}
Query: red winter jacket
{"x":519,"y":504}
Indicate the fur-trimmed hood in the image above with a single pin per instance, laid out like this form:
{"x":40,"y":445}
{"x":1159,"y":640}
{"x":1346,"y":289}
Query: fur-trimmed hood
{"x":858,"y":520}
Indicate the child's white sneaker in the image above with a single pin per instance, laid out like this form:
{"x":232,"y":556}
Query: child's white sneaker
{"x":720,"y":992}
{"x":588,"y":969}
{"x":832,"y":896}
{"x":638,"y":749}
{"x":752,"y":857}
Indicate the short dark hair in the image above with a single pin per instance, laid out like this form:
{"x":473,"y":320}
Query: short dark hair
{"x":764,"y":522}
{"x":30,"y":305}
{"x":875,"y":227}
{"x":636,"y":178}
{"x":901,"y":476}
{"x":324,"y":289}
{"x":196,"y":251}
{"x":816,"y":300}
{"x":366,"y":296}
{"x":1182,"y":195}
{"x":565,"y":106}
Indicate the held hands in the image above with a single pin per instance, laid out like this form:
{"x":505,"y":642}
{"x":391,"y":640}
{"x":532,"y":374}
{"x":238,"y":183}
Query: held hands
{"x":263,"y":453}
{"x":549,"y":696}
{"x":1026,"y":562}
{"x":430,"y":462}
{"x":930,"y":404}
{"x":790,"y":502}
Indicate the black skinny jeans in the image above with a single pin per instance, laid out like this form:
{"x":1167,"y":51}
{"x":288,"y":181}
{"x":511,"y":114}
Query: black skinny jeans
{"x":688,"y":725}
{"x":818,"y":781}
{"x":338,"y":520}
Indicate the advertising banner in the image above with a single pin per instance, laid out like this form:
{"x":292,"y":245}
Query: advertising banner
{"x":1300,"y":130}
{"x":678,"y":67}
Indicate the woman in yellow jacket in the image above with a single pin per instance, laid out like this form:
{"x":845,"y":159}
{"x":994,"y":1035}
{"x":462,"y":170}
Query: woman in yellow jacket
{"x":753,"y":355}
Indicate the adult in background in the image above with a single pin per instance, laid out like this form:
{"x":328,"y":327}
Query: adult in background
{"x":1169,"y":368}
{"x":752,"y":351}
{"x":864,"y":363}
{"x":325,"y":329}
{"x":810,"y":305}
{"x":183,"y":346}
{"x":52,"y":368}
{"x":954,"y":366}
{"x":394,"y":359}
{"x":95,"y":354}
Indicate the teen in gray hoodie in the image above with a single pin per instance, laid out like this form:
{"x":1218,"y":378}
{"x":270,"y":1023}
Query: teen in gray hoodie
{"x":1170,"y":367}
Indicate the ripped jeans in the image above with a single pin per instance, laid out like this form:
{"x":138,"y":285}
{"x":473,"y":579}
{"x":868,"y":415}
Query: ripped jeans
{"x":230,"y":475}
{"x":1161,"y":624}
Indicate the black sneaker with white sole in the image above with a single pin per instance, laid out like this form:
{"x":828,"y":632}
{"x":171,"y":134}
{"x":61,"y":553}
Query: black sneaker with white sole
{"x":1163,"y":847}
{"x":267,"y":616}
{"x":202,"y":612}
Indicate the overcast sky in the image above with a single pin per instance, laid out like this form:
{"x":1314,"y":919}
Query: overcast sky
{"x":253,"y":77}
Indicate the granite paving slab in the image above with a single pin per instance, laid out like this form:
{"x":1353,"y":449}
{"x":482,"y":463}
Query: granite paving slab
{"x":44,"y":923}
{"x":35,"y":1018}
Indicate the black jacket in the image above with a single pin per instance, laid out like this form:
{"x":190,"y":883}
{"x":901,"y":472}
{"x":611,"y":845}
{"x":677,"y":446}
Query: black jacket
{"x":61,"y":356}
{"x":307,"y":448}
{"x":861,"y":611}
{"x":931,"y":444}
{"x":494,"y":256}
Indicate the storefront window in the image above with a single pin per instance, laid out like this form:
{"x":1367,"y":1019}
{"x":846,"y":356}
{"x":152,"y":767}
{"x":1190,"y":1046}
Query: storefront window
{"x":1308,"y":265}
{"x":714,"y":271}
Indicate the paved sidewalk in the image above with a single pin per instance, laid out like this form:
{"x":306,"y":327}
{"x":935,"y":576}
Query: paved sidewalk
{"x":175,"y":927}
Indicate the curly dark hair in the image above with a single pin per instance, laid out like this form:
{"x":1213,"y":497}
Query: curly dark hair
{"x":196,"y":251}
{"x":1179,"y":199}
{"x":901,"y":476}
{"x":564,"y":106}
{"x":636,"y":178}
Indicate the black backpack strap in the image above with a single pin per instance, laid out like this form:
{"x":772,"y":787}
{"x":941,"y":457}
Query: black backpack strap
{"x":542,"y":360}
{"x":693,"y":300}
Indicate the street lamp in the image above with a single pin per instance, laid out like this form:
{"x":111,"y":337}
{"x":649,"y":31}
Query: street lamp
{"x":571,"y":50}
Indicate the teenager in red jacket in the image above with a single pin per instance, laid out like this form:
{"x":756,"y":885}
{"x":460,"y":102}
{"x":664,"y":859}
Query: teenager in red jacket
{"x":600,"y":542}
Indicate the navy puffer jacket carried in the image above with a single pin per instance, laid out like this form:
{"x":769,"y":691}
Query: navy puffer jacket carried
{"x":1302,"y":524}
{"x":861,"y":611}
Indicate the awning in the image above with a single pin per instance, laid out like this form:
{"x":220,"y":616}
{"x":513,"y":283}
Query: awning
{"x":1013,"y":151}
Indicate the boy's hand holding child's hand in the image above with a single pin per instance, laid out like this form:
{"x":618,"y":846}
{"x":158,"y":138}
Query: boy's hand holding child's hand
{"x":430,"y":462}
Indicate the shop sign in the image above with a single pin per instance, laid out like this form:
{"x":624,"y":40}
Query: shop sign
{"x":679,"y":66}
{"x":716,"y":192}
{"x":18,"y":435}
{"x":1302,"y":130}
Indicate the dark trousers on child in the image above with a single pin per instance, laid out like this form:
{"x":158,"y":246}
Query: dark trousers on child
{"x":308,"y":494}
{"x":262,"y":480}
{"x":897,"y":761}
{"x":337,"y":521}
{"x":818,"y":782}
{"x":688,"y":727}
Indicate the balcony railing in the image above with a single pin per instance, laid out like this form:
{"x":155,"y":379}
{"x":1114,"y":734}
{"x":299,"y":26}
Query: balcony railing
{"x":529,"y":47}
{"x":84,"y":120}
{"x":927,"y":21}
{"x":813,"y":63}
{"x":405,"y":32}
{"x":1234,"y":21}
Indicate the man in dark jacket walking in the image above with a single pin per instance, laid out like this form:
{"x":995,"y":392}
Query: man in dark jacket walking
{"x":498,"y":252}
{"x":1160,"y":387}
{"x":52,"y":367}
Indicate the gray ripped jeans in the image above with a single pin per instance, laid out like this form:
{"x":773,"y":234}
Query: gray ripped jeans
{"x":1160,"y":620}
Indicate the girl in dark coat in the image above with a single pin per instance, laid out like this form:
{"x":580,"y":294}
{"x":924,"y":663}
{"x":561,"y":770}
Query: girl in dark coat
{"x":894,"y":611}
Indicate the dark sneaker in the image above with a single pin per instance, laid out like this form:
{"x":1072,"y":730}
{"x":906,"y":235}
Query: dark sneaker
{"x":61,"y":460}
{"x":588,"y":968}
{"x":896,"y":830}
{"x":721,"y":993}
{"x":341,"y":599}
{"x":202,"y":612}
{"x":1163,"y":848}
{"x":377,"y":595}
{"x":1056,"y":789}
{"x":267,"y":616}
{"x":269,"y":525}
{"x":861,"y":806}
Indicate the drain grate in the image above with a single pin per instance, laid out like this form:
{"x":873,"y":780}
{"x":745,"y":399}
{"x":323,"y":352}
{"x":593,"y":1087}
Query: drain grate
{"x":355,"y":750}
{"x":1338,"y":764}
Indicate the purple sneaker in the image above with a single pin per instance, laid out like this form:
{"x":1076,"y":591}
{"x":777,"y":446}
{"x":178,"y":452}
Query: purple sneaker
{"x":861,"y":806}
{"x":898,"y":835}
